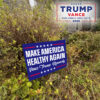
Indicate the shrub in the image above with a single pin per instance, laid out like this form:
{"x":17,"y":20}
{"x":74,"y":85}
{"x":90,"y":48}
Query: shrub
{"x":1,"y":2}
{"x":87,"y":45}
{"x":96,"y":26}
{"x":23,"y":26}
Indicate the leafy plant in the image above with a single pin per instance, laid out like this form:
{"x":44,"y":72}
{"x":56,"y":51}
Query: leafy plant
{"x":79,"y":81}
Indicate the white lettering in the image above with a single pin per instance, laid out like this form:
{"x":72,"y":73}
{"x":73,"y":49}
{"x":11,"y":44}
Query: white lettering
{"x":52,"y":50}
{"x":32,"y":53}
{"x":57,"y":56}
{"x":37,"y":60}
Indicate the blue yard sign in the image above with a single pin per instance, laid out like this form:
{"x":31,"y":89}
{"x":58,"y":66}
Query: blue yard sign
{"x":44,"y":58}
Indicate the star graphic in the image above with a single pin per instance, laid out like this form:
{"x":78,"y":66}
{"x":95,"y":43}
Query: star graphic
{"x":40,"y":46}
{"x":43,"y":45}
{"x":48,"y":70}
{"x":47,"y":45}
{"x":54,"y":68}
{"x":41,"y":72}
{"x":50,"y":44}
{"x":37,"y":46}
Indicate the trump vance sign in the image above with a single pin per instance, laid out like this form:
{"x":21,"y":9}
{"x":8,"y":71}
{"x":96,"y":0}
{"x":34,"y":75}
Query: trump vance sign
{"x":44,"y":58}
{"x":76,"y":12}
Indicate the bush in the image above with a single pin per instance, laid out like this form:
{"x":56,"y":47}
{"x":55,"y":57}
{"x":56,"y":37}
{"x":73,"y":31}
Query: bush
{"x":18,"y":27}
{"x":85,"y":44}
{"x":97,"y":26}
{"x":74,"y":83}
{"x":1,"y":2}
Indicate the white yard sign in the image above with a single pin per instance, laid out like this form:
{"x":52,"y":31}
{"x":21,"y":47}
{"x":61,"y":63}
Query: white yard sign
{"x":76,"y":12}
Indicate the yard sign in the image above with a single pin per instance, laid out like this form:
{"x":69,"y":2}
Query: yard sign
{"x":44,"y":58}
{"x":76,"y":12}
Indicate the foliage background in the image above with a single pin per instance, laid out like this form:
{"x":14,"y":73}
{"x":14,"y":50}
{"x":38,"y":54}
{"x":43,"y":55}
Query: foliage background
{"x":79,"y":81}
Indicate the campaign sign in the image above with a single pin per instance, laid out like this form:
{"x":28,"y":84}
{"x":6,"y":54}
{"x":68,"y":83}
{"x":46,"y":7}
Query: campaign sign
{"x":76,"y":12}
{"x":44,"y":58}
